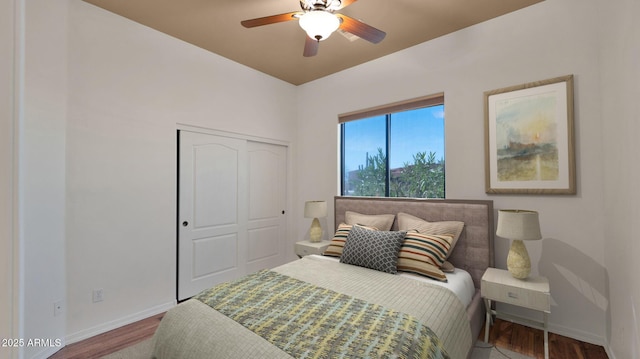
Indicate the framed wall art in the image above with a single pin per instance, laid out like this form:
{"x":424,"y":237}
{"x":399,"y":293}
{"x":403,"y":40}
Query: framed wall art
{"x":529,"y":139}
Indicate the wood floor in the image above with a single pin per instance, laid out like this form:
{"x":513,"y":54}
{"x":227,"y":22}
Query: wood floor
{"x":529,"y":341}
{"x":504,"y":334}
{"x":111,"y":341}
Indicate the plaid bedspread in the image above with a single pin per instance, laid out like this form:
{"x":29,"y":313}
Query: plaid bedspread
{"x":307,"y":321}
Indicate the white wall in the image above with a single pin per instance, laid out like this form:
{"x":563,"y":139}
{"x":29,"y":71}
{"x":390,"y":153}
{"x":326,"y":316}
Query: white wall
{"x":41,"y":177}
{"x":112,"y":127}
{"x":621,"y":129}
{"x":7,"y":121}
{"x":129,"y":88}
{"x":549,"y":39}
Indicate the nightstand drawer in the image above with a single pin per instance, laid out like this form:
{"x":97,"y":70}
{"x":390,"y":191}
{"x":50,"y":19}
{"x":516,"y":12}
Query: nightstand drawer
{"x":305,"y":248}
{"x":522,"y":297}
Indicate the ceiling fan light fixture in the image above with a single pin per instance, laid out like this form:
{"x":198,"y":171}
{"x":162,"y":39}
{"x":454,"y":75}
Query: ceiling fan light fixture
{"x":319,"y":24}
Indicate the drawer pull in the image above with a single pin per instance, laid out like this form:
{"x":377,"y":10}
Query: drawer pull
{"x":512,"y":295}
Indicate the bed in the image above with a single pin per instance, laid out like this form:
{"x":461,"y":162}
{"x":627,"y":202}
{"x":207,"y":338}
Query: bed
{"x":325,"y":308}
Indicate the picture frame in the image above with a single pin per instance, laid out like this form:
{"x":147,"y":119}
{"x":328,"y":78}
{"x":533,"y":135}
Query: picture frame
{"x":529,"y":138}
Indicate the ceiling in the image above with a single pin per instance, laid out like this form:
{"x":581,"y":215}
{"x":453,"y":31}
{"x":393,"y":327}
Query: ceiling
{"x":276,"y":49}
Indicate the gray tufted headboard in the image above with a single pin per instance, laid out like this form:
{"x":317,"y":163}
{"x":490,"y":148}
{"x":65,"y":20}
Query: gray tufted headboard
{"x":474,"y":250}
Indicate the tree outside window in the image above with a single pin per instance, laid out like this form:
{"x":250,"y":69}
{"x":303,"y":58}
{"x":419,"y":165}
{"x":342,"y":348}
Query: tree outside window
{"x":396,"y":154}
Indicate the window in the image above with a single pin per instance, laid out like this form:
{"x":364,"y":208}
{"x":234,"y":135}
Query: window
{"x":395,"y":150}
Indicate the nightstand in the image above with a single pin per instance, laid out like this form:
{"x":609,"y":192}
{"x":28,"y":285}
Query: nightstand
{"x":304,"y":248}
{"x":533,"y":293}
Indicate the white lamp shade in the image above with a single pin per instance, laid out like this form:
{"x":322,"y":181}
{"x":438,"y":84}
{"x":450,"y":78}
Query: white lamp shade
{"x":319,"y":24}
{"x":518,"y":224}
{"x":315,"y":209}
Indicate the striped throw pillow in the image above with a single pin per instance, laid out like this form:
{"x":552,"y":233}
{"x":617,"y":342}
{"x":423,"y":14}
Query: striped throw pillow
{"x":407,"y":222}
{"x":339,"y":238}
{"x":422,"y":269}
{"x":424,"y":254}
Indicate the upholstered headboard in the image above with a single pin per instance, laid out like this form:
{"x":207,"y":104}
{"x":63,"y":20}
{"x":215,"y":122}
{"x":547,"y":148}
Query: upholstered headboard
{"x":474,"y":250}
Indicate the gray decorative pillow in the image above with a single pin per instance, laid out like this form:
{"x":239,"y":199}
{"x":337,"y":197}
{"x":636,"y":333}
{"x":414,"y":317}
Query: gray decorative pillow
{"x":373,"y":249}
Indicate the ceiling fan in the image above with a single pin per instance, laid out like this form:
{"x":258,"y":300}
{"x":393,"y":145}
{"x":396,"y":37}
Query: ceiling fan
{"x":319,"y":20}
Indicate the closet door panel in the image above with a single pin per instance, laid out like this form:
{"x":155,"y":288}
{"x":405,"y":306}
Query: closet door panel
{"x":212,"y":234}
{"x":267,"y":168}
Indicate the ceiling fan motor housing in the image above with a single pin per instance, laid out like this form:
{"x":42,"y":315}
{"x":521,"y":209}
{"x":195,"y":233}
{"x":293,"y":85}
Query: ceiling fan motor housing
{"x":326,"y":5}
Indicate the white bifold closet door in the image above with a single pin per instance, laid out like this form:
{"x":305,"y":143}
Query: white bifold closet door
{"x":231,"y":209}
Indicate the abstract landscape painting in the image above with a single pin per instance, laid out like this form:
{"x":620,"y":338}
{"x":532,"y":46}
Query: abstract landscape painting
{"x":529,"y":138}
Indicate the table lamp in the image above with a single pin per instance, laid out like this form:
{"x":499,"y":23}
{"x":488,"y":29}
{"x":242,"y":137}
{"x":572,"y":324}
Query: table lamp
{"x":518,"y":225}
{"x":315,"y":210}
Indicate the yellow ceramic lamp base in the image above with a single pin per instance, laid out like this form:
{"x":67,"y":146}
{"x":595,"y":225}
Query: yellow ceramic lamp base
{"x":518,"y":262}
{"x":315,"y":232}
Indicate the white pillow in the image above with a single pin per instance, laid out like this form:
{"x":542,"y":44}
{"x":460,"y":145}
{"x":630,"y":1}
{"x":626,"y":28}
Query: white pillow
{"x":382,"y":222}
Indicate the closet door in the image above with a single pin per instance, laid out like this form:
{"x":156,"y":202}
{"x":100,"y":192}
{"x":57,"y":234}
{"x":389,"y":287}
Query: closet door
{"x":266,"y":224}
{"x":212,"y":211}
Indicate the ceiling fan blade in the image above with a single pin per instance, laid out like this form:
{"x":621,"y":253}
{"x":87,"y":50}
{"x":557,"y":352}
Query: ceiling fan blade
{"x":345,"y":3}
{"x":361,"y":29}
{"x":310,"y":47}
{"x":271,"y":19}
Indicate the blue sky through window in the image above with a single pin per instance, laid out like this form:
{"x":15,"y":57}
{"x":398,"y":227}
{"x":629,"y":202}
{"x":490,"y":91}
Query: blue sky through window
{"x":413,"y":131}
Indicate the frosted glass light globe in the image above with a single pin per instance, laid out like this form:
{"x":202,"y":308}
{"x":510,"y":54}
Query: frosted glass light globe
{"x":319,"y":24}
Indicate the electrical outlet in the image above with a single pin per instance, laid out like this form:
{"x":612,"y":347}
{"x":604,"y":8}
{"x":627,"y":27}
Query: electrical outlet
{"x":58,"y":308}
{"x":98,"y":295}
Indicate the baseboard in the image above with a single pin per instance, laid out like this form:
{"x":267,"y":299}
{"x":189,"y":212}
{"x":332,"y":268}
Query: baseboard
{"x":580,"y":335}
{"x":607,"y":349}
{"x":114,"y":324}
{"x":45,"y":353}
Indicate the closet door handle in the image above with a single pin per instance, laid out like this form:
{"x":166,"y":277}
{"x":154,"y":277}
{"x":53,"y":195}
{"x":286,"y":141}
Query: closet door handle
{"x":185,"y":223}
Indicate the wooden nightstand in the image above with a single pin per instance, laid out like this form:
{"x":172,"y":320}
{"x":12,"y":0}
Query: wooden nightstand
{"x":304,"y":248}
{"x":533,"y":293}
